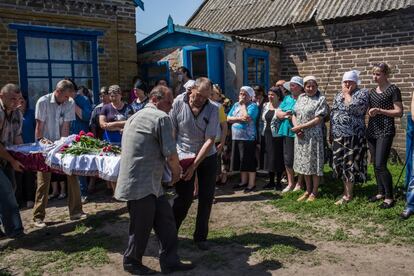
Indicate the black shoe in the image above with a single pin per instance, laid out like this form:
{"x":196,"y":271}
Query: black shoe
{"x":239,"y":186}
{"x":269,"y":186}
{"x":386,"y":205}
{"x":138,"y":269}
{"x":203,"y":245}
{"x":17,"y":235}
{"x":406,"y":214}
{"x":180,"y":266}
{"x":249,"y":190}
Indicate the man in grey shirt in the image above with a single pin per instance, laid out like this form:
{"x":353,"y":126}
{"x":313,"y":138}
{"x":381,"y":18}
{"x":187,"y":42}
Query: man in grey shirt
{"x":195,"y":122}
{"x":147,"y":143}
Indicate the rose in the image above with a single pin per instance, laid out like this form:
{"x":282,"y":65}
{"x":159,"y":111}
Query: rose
{"x":77,"y":138}
{"x":90,"y":134}
{"x":81,"y":133}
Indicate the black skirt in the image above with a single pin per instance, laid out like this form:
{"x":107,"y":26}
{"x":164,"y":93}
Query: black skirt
{"x":243,"y":156}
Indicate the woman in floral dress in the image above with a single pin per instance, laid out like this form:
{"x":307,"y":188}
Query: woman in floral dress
{"x":310,"y":110}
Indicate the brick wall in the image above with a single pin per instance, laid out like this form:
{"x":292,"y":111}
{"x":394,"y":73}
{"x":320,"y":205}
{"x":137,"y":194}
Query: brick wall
{"x":116,"y":18}
{"x":328,"y":49}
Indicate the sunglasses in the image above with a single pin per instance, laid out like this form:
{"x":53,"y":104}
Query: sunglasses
{"x":380,"y":65}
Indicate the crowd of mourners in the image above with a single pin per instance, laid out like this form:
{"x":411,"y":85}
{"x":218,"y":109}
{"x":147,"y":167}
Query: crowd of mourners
{"x":191,"y":138}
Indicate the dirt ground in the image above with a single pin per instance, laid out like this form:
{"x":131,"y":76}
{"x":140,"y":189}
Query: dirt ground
{"x":240,"y":244}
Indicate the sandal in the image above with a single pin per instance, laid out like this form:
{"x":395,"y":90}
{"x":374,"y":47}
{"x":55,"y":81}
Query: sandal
{"x":343,"y":201}
{"x":386,"y":205}
{"x":376,"y":198}
{"x":303,"y":197}
{"x":311,"y":198}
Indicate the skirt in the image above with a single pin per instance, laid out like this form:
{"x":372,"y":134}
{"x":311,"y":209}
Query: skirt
{"x":350,"y":158}
{"x":244,"y":156}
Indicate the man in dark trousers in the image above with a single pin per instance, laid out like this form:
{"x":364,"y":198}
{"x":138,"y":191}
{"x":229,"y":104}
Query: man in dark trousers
{"x":195,"y":122}
{"x":147,"y":143}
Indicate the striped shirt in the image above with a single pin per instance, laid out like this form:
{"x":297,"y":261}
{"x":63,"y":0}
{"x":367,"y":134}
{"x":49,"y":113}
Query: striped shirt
{"x":192,"y":131}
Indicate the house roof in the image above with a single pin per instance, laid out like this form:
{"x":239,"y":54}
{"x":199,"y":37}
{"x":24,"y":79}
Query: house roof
{"x":239,"y":15}
{"x":258,"y":41}
{"x":172,"y":28}
{"x":139,"y":3}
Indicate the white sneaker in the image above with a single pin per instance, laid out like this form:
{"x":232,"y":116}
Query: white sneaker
{"x":287,"y":189}
{"x":79,"y":216}
{"x":39,"y":223}
{"x":297,"y":188}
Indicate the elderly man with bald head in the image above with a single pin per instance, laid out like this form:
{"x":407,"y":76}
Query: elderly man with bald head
{"x":10,"y":134}
{"x":195,"y":122}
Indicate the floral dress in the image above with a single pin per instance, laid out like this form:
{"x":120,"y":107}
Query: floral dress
{"x":309,"y":149}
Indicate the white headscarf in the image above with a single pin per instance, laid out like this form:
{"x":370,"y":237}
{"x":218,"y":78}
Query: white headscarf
{"x":249,"y":90}
{"x":189,"y":84}
{"x":352,"y":76}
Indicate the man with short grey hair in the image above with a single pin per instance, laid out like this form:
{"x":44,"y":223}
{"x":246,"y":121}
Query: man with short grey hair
{"x":148,"y":144}
{"x":54,"y":113}
{"x":195,"y":122}
{"x":11,"y":121}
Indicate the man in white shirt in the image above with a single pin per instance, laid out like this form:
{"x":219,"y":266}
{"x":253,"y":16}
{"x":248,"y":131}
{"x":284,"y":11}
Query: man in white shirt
{"x":54,"y":112}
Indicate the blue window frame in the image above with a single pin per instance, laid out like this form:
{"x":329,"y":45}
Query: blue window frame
{"x":153,"y":72}
{"x":46,"y":55}
{"x":256,"y":67}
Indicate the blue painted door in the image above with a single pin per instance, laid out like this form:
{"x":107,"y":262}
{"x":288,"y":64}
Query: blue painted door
{"x":215,"y":66}
{"x":214,"y":60}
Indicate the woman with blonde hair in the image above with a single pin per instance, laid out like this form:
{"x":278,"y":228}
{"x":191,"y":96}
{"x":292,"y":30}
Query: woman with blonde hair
{"x":385,"y":104}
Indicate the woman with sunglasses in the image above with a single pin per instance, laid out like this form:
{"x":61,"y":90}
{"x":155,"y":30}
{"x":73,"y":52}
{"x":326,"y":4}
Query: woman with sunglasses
{"x":113,"y":116}
{"x":385,"y":104}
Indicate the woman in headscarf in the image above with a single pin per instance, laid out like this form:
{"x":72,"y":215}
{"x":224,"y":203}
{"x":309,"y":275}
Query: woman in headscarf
{"x":310,"y":111}
{"x":243,"y":116}
{"x":273,"y":151}
{"x":285,"y":112}
{"x":347,"y":134}
{"x":385,"y":104}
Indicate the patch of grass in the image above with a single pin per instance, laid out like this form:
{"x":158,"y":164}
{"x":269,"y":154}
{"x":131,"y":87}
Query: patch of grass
{"x":339,"y":235}
{"x":80,"y":229}
{"x":355,"y":215}
{"x":83,"y":247}
{"x":275,"y":252}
